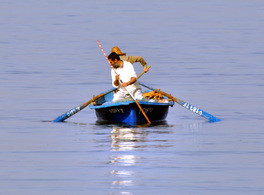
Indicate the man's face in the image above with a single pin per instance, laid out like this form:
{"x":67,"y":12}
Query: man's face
{"x":114,"y":63}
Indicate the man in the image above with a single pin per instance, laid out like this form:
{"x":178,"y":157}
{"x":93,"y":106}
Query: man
{"x":124,"y":78}
{"x":131,"y":59}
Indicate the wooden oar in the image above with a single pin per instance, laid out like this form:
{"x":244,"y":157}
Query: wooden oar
{"x":143,"y":72}
{"x":79,"y":108}
{"x":186,"y":105}
{"x":140,"y":108}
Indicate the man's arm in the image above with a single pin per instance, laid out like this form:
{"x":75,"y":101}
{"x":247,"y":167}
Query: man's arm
{"x":133,"y":59}
{"x":130,"y":82}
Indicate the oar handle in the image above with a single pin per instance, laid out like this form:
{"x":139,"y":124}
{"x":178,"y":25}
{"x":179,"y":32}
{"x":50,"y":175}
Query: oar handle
{"x":143,"y":72}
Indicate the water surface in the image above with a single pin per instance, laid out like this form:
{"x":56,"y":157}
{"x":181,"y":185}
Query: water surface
{"x":207,"y":53}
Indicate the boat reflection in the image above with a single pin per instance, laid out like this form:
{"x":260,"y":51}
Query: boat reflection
{"x":127,"y":146}
{"x":125,"y":140}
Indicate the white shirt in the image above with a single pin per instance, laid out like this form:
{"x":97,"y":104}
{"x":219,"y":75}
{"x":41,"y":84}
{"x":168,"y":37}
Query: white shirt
{"x":125,"y":74}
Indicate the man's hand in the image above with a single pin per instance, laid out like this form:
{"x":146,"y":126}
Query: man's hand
{"x":132,"y":80}
{"x":125,"y":84}
{"x":146,"y":69}
{"x":117,"y":77}
{"x":116,"y":82}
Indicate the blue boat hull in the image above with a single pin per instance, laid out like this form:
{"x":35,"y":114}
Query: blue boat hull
{"x":131,"y":114}
{"x":128,"y":112}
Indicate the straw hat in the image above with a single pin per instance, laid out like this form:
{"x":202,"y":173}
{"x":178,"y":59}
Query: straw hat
{"x":118,"y":51}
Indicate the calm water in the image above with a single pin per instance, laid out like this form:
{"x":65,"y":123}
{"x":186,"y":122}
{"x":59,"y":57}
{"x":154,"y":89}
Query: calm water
{"x":208,"y":53}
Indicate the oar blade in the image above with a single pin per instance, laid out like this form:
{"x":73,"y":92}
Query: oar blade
{"x":197,"y":110}
{"x":69,"y":113}
{"x":73,"y":111}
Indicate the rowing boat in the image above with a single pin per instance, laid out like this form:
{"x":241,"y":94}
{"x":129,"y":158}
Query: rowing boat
{"x":154,"y":105}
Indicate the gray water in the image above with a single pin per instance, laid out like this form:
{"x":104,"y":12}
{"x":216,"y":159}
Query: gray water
{"x":207,"y":52}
